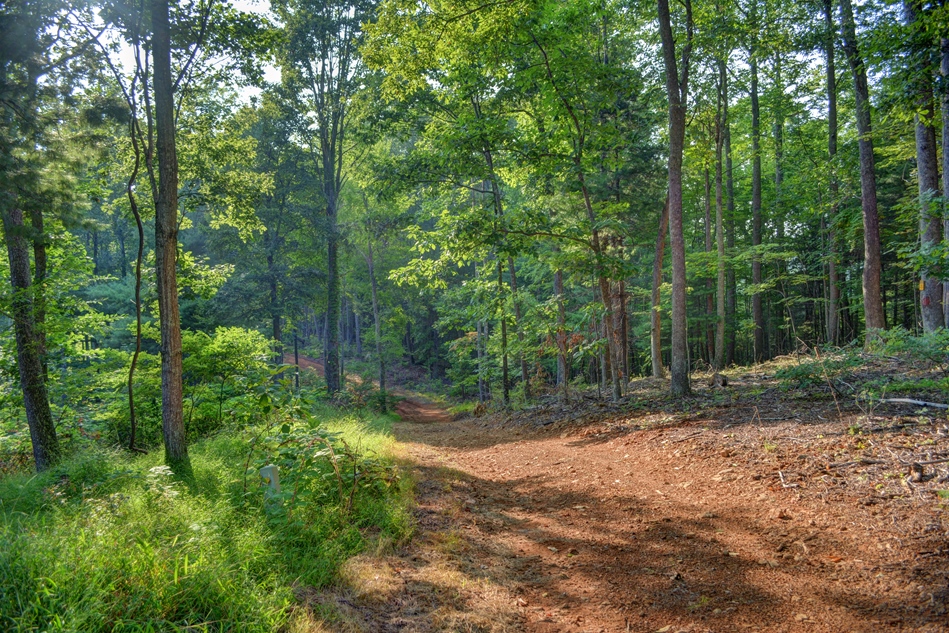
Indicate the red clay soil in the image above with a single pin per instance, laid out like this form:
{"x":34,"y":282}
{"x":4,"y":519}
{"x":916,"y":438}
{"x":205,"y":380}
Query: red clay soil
{"x":745,"y":509}
{"x":306,"y":363}
{"x":776,"y":516}
{"x":412,"y":409}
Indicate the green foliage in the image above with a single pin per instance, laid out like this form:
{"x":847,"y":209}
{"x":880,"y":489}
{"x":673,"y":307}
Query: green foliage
{"x":819,"y":371}
{"x":930,"y":350}
{"x":154,"y":554}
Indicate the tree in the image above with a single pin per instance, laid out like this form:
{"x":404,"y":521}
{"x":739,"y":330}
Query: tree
{"x":872,"y":266}
{"x":927,"y":166}
{"x":321,"y":65}
{"x":677,"y":90}
{"x":28,"y":65}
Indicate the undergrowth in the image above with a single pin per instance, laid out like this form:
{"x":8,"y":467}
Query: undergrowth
{"x":110,"y":542}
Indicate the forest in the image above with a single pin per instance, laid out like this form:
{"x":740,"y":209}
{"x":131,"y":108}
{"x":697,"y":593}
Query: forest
{"x":338,"y":236}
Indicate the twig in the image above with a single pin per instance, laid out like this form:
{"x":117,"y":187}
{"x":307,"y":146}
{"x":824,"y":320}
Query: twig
{"x":866,"y":462}
{"x":933,"y":461}
{"x":785,"y":484}
{"x":918,"y":403}
{"x":687,"y":437}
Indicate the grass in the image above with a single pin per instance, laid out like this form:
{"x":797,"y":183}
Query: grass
{"x":109,"y":542}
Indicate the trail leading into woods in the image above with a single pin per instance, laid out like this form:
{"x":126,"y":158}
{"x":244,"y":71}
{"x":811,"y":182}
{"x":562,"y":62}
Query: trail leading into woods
{"x":621,"y":533}
{"x":605,"y":528}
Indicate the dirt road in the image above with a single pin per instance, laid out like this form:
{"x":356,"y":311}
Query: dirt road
{"x":599,"y":529}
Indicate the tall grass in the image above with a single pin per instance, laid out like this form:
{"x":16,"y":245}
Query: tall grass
{"x":109,"y":542}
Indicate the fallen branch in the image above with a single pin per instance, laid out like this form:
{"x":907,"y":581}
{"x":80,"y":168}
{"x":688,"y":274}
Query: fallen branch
{"x":933,"y":461}
{"x":687,"y":437}
{"x":918,"y":403}
{"x":865,"y":462}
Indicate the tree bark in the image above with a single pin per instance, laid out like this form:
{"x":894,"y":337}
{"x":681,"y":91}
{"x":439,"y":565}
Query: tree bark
{"x":927,"y":172}
{"x":505,"y":374}
{"x":46,"y":451}
{"x":872,"y":266}
{"x":709,"y":282}
{"x":166,"y":246}
{"x":40,"y":266}
{"x":677,"y":91}
{"x":133,"y":204}
{"x":377,"y":325}
{"x":274,"y":308}
{"x":655,"y":334}
{"x":833,"y":283}
{"x":757,"y":309}
{"x":332,"y":301}
{"x":731,"y":289}
{"x":944,"y":68}
{"x":780,"y":334}
{"x":719,"y":362}
{"x":563,"y":369}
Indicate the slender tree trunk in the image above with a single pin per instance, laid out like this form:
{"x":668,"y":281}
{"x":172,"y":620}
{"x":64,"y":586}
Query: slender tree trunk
{"x":133,"y":204}
{"x":833,"y":283}
{"x":731,"y":290}
{"x":757,"y":309}
{"x":274,"y":309}
{"x":944,"y":68}
{"x":658,"y":371}
{"x":677,"y":90}
{"x":377,"y":326}
{"x":505,"y":375}
{"x":709,"y":282}
{"x":927,"y":171}
{"x":333,"y":299}
{"x":781,"y":335}
{"x":499,"y":211}
{"x":563,"y":369}
{"x":518,"y":320}
{"x":166,"y":246}
{"x":46,"y":451}
{"x":872,"y":266}
{"x":40,"y":265}
{"x":719,"y":362}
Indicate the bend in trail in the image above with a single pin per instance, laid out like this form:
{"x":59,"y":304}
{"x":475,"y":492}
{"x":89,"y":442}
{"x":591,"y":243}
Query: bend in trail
{"x":609,"y":528}
{"x":411,"y":408}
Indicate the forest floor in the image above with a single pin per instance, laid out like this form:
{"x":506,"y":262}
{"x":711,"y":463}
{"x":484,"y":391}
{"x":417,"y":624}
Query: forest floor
{"x":748,"y":508}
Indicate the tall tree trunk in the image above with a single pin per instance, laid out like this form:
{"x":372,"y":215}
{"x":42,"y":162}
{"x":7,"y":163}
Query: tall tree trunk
{"x":333,"y":300}
{"x":274,"y":308}
{"x":709,"y":282}
{"x":377,"y":326}
{"x":781,"y":337}
{"x":499,"y":213}
{"x":719,"y":362}
{"x":833,"y":283}
{"x":479,"y":344}
{"x":596,"y":244}
{"x":40,"y":265}
{"x":133,"y":204}
{"x":677,"y":91}
{"x":166,"y":246}
{"x":518,"y":321}
{"x":563,"y":369}
{"x":872,"y":266}
{"x":944,"y":68}
{"x":505,"y":375}
{"x":927,"y":171}
{"x":757,"y":309}
{"x":655,"y":333}
{"x":731,"y":290}
{"x":46,"y":449}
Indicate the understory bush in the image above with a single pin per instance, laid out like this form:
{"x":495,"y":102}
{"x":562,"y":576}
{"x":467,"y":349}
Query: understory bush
{"x":110,"y":542}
